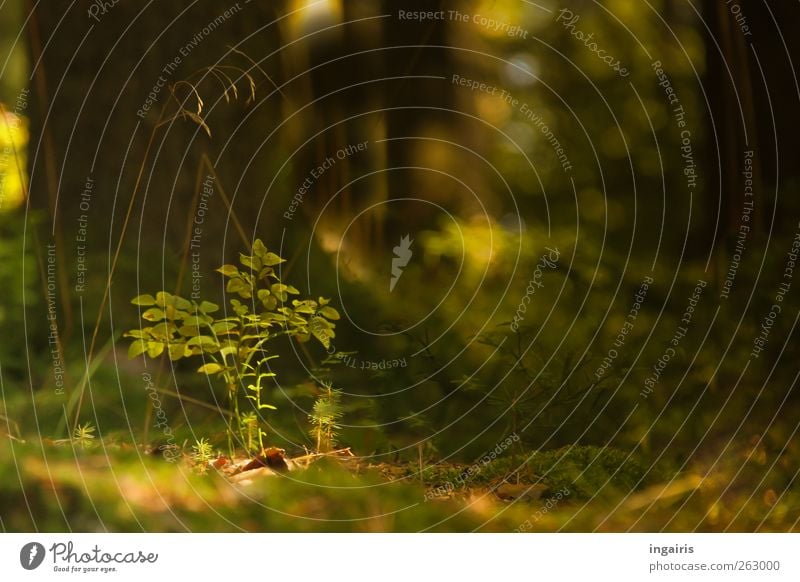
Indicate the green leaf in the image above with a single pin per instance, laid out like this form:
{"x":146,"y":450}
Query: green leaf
{"x":321,"y":323}
{"x":198,"y":320}
{"x":136,"y":333}
{"x":240,"y":287}
{"x":229,"y":270}
{"x":267,"y":299}
{"x":228,"y":350}
{"x":269,"y":406}
{"x":259,"y":250}
{"x":270,"y":317}
{"x":137,"y":348}
{"x":203,"y":341}
{"x":144,"y":300}
{"x":239,"y":308}
{"x":322,"y":334}
{"x":177,"y":351}
{"x":163,"y":298}
{"x":279,"y":290}
{"x":305,"y":307}
{"x":172,"y":313}
{"x":181,"y":303}
{"x":211,"y":368}
{"x":271,"y":259}
{"x":154,"y":349}
{"x":189,"y":330}
{"x":208,"y":307}
{"x":162,"y":331}
{"x":329,"y":312}
{"x":253,"y":263}
{"x":154,"y":314}
{"x":225,"y":327}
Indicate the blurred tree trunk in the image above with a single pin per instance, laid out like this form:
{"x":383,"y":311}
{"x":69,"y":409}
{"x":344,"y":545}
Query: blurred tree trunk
{"x":742,"y":99}
{"x":360,"y":65}
{"x":733,"y":127}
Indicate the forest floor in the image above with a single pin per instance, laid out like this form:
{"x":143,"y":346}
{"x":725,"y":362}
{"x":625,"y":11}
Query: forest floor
{"x":58,"y":486}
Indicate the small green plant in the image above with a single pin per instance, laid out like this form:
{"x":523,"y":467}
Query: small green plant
{"x":84,"y":435}
{"x":202,"y":453}
{"x":233,"y":346}
{"x":251,"y":426}
{"x":253,"y":434}
{"x":325,"y":417}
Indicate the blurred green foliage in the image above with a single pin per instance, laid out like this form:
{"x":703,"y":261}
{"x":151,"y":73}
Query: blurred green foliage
{"x":22,"y":290}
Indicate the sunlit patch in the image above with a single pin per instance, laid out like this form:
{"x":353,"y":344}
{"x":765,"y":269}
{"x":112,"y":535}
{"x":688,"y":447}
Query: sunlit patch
{"x":495,"y":11}
{"x":482,"y":244}
{"x":492,"y":108}
{"x":316,"y":12}
{"x":522,"y":70}
{"x":13,"y":140}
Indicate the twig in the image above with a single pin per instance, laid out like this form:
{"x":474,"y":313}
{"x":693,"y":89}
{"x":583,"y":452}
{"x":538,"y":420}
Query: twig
{"x":310,"y":457}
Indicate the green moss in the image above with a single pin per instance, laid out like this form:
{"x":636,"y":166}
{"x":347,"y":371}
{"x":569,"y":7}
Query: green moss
{"x":587,"y":471}
{"x":122,"y":489}
{"x":583,"y":470}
